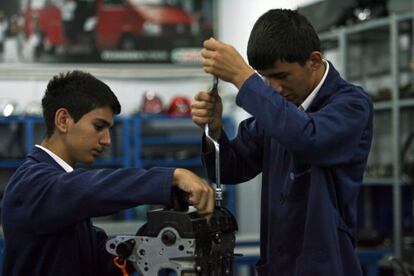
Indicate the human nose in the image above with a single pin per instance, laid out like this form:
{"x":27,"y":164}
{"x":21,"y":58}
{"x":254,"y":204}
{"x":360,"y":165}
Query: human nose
{"x":277,"y":85}
{"x":106,"y":138}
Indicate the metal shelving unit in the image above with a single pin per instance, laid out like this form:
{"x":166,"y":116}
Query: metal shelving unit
{"x":355,"y":36}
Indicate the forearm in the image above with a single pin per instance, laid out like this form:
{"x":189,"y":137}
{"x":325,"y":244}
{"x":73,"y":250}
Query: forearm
{"x":325,"y":136}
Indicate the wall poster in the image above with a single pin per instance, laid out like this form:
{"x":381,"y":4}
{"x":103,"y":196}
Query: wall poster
{"x":104,"y":31}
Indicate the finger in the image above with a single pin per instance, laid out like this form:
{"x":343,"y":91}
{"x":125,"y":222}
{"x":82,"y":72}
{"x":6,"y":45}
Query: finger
{"x":203,"y":109}
{"x":203,"y":115}
{"x":209,"y":62}
{"x":204,"y":119}
{"x":194,"y":197}
{"x":211,"y":43}
{"x":203,"y":96}
{"x":211,"y":201}
{"x":205,"y":209}
{"x":198,"y":95}
{"x":209,"y":210}
{"x":208,"y":70}
{"x":208,"y":65}
{"x":203,"y":105}
{"x":202,"y":204}
{"x":208,"y":54}
{"x":201,"y":122}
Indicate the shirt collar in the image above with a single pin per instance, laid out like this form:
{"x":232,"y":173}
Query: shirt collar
{"x":308,"y":101}
{"x":58,"y":160}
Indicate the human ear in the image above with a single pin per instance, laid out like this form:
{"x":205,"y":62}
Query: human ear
{"x":62,"y":120}
{"x":316,"y":60}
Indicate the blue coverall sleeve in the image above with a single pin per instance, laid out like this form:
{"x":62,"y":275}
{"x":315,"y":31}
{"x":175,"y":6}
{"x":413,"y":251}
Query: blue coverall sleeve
{"x":53,"y":199}
{"x":324,"y":138}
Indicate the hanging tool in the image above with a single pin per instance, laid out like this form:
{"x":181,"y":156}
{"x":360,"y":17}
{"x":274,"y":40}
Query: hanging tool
{"x":219,"y":191}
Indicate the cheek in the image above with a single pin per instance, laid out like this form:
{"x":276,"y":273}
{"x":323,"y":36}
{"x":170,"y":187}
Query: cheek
{"x":81,"y":138}
{"x":294,"y":86}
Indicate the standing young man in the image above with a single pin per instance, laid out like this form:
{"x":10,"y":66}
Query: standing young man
{"x":48,"y":204}
{"x":309,"y":135}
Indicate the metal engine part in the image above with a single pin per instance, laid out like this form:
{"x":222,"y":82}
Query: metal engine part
{"x":182,"y":242}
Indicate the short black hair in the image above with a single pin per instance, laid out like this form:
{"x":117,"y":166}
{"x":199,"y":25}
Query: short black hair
{"x":79,"y":92}
{"x":281,"y":35}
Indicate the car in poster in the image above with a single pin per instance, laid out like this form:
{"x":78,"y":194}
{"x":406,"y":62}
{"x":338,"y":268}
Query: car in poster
{"x":110,"y":29}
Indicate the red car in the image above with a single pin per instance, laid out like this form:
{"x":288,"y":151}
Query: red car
{"x":108,"y":24}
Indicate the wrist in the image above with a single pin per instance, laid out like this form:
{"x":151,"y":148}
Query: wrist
{"x":242,"y":77}
{"x":176,"y":176}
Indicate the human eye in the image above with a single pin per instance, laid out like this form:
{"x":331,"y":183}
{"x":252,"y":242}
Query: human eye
{"x":279,"y":76}
{"x":99,"y":126}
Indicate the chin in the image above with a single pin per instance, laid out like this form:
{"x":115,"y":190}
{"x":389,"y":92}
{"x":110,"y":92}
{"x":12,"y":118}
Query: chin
{"x":89,"y":161}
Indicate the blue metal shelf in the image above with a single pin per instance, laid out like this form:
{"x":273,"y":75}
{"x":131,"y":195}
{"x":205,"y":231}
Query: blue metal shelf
{"x":11,"y":120}
{"x":163,"y":117}
{"x":110,"y":162}
{"x":194,"y":162}
{"x":180,"y":139}
{"x":140,"y":140}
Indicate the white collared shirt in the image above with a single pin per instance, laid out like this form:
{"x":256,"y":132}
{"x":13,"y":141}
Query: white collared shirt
{"x":58,"y":160}
{"x":308,"y":101}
